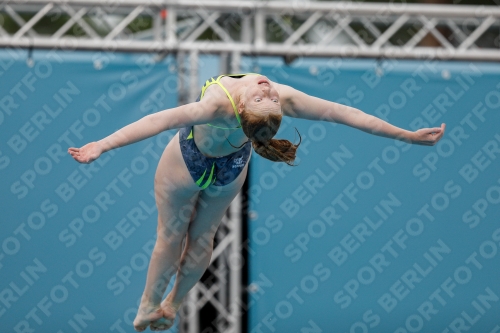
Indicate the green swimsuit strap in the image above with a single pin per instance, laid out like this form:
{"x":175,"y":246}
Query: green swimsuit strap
{"x":208,"y":83}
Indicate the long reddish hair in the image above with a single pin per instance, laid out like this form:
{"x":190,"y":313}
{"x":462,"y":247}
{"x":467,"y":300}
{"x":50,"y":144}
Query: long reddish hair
{"x":260,"y":128}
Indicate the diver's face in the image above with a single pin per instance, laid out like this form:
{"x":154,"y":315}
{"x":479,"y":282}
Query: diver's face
{"x":262,"y":96}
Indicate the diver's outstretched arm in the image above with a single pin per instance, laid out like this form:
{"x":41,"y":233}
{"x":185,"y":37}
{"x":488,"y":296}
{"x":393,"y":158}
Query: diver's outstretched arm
{"x":148,"y":126}
{"x":300,"y":105}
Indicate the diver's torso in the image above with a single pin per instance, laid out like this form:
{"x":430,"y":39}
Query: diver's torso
{"x":213,"y":141}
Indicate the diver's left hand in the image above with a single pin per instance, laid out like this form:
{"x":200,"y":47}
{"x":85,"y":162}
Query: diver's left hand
{"x":428,"y":136}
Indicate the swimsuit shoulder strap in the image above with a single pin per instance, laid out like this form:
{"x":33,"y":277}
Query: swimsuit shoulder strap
{"x":230,"y":99}
{"x":208,"y":83}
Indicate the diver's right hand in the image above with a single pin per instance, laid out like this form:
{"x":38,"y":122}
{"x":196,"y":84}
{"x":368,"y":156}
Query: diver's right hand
{"x":86,"y":154}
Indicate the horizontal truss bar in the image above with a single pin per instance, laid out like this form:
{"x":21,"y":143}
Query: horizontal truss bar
{"x":270,"y":49}
{"x":244,"y":6}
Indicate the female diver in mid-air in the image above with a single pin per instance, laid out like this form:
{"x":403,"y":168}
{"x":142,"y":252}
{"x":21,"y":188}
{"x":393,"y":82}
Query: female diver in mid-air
{"x":211,"y":150}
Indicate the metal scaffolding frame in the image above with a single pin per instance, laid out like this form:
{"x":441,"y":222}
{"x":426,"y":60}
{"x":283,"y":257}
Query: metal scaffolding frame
{"x":232,"y":29}
{"x":259,"y":28}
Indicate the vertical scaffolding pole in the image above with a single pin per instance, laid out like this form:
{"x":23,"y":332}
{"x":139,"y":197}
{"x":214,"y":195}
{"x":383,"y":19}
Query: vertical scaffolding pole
{"x":259,"y":26}
{"x":223,"y":61}
{"x":235,"y":216}
{"x":193,"y":319}
{"x":170,"y":26}
{"x":157,"y":24}
{"x":183,"y":78}
{"x":246,"y":29}
{"x":235,"y":267}
{"x":235,"y":62}
{"x":221,"y":274}
{"x":193,"y":76}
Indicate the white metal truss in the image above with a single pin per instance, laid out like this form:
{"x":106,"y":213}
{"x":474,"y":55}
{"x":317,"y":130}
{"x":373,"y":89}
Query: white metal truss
{"x":291,"y":28}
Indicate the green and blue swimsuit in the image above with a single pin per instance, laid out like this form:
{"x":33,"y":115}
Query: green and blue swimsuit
{"x":218,"y":171}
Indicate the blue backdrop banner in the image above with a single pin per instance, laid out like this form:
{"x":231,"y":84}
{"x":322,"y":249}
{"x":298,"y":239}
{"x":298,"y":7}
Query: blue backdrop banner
{"x":368,"y":234}
{"x":75,"y":239}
